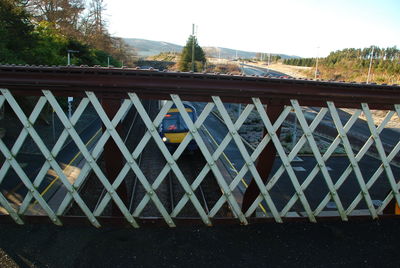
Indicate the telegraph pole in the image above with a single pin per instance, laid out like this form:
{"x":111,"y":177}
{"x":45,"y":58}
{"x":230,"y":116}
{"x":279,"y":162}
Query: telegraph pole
{"x":69,"y":99}
{"x":193,"y":37}
{"x":370,"y":64}
{"x":316,"y":66}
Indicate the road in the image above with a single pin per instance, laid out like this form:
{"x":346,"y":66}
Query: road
{"x":316,"y":191}
{"x":360,"y":130}
{"x":389,"y":136}
{"x":251,"y":70}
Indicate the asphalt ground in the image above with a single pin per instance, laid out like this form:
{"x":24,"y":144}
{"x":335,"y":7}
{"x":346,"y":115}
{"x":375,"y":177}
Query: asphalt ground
{"x":252,"y":70}
{"x":334,"y":244}
{"x":283,"y":190}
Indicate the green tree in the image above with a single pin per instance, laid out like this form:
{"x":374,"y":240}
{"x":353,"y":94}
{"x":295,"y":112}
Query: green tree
{"x":63,"y":15}
{"x":15,"y":32}
{"x":185,"y":62}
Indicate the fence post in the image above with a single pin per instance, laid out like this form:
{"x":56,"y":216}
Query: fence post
{"x":265,"y":160}
{"x":112,"y":156}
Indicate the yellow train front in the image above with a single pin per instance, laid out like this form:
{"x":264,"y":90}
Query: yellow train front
{"x":173,"y":128}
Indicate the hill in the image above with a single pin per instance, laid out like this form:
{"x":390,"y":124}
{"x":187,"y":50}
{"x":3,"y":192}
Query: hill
{"x":146,"y":48}
{"x":352,"y":64}
{"x":228,"y":53}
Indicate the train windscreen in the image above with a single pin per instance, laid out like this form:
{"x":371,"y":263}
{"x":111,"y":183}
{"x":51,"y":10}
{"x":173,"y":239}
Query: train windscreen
{"x":173,"y":122}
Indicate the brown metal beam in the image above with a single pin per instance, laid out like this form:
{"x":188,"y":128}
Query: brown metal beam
{"x":115,"y":83}
{"x":112,"y":155}
{"x":264,"y":162}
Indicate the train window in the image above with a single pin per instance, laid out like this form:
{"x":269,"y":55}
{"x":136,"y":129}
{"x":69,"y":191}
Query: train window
{"x":173,"y":122}
{"x":170,"y":122}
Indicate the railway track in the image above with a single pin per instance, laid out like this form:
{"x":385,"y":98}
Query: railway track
{"x":151,"y":162}
{"x":170,"y":191}
{"x":190,"y":165}
{"x":93,"y":191}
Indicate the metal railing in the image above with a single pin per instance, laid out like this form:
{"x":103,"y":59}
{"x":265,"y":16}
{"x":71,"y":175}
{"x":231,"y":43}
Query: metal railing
{"x":273,"y":100}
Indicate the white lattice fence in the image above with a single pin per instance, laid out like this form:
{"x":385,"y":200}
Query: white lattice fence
{"x":228,"y":185}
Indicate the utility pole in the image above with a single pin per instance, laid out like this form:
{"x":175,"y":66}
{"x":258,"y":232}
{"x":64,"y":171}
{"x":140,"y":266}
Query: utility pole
{"x":193,"y":39}
{"x":370,"y":64}
{"x":69,"y":99}
{"x":316,"y":66}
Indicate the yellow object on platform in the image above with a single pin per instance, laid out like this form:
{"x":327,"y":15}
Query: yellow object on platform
{"x":176,"y":110}
{"x":175,"y":137}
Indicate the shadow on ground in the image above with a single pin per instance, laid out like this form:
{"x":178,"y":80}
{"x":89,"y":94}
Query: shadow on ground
{"x":366,"y":243}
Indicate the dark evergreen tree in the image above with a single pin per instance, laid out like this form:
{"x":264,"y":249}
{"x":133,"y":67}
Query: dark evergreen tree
{"x":15,"y":31}
{"x":185,"y":63}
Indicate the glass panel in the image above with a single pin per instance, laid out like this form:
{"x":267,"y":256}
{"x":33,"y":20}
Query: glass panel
{"x":173,"y":122}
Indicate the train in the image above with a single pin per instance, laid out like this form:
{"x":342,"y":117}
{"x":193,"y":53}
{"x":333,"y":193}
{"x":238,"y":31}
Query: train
{"x":173,"y":128}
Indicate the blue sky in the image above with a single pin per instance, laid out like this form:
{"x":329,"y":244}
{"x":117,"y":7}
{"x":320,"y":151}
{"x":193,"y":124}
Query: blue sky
{"x":305,"y":28}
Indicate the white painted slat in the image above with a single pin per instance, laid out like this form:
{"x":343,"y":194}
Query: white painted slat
{"x":284,"y":158}
{"x":194,"y":130}
{"x":249,"y":162}
{"x":239,"y":176}
{"x":381,"y":152}
{"x":56,"y":149}
{"x":15,"y":165}
{"x":352,"y":159}
{"x":220,"y":150}
{"x":200,"y":120}
{"x":151,"y":131}
{"x":291,"y":156}
{"x":111,"y":189}
{"x":379,"y":171}
{"x":96,"y":152}
{"x":318,"y":156}
{"x":137,"y":170}
{"x":171,"y":161}
{"x":349,"y":168}
{"x":14,"y":151}
{"x":394,"y":152}
{"x":75,"y":137}
{"x":50,"y":158}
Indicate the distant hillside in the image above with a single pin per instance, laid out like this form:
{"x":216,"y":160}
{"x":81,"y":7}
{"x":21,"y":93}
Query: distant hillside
{"x":228,"y":53}
{"x":146,"y":48}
